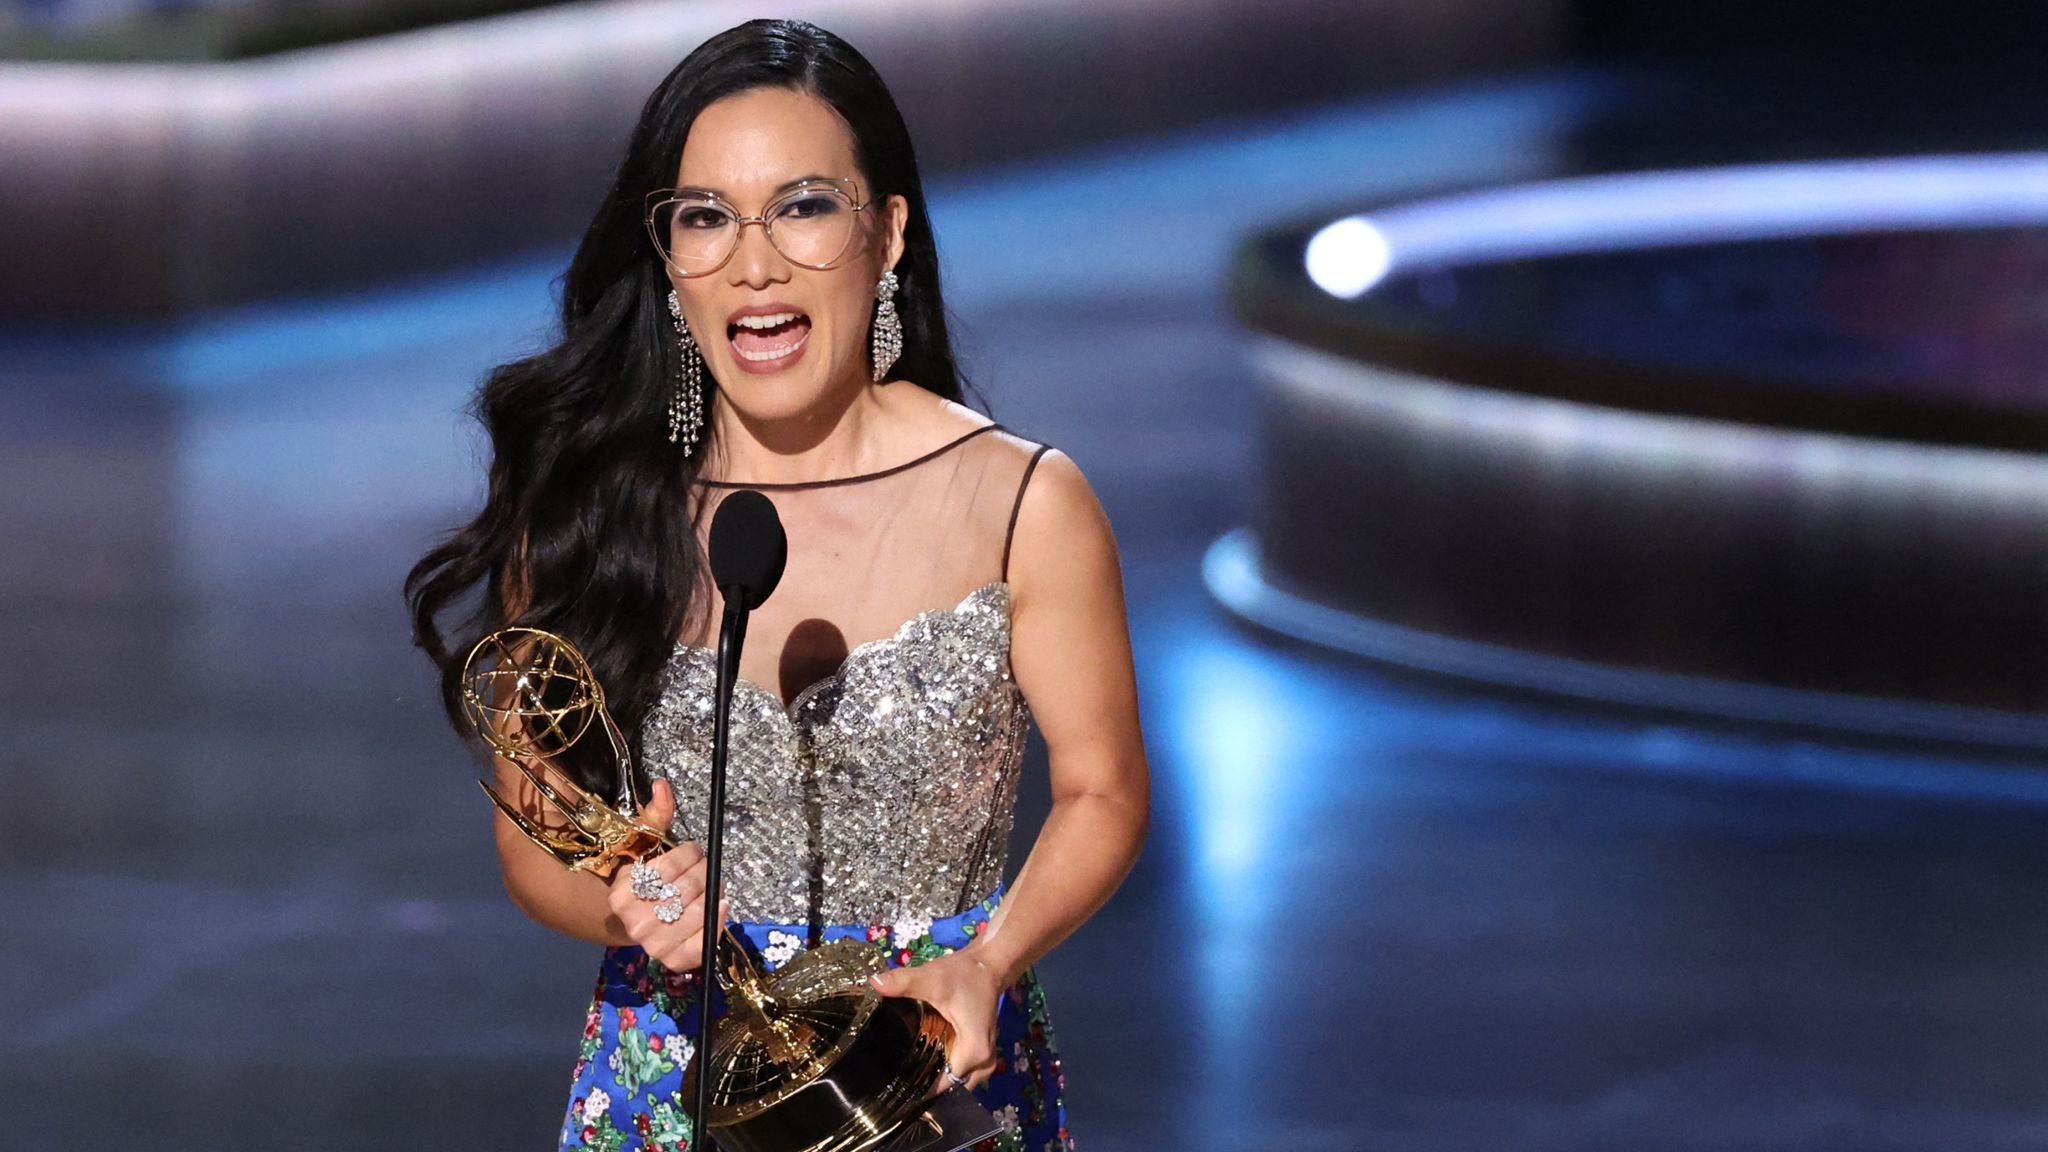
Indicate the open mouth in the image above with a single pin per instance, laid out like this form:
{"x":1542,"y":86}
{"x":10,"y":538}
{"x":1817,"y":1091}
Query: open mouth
{"x":760,"y":339}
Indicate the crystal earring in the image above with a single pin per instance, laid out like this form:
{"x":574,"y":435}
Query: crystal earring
{"x":686,"y":407}
{"x":887,"y":334}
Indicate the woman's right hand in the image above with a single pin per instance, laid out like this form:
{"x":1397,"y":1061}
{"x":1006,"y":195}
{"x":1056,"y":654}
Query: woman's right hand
{"x":678,"y":946}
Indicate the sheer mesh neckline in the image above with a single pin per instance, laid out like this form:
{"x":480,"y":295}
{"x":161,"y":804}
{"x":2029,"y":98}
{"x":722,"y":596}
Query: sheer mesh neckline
{"x":789,"y":485}
{"x":867,"y":557}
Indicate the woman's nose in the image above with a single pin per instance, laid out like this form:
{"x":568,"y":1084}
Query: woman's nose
{"x":755,"y":260}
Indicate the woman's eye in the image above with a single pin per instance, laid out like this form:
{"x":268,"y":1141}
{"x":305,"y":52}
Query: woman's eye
{"x":700,"y":218}
{"x":809,"y":207}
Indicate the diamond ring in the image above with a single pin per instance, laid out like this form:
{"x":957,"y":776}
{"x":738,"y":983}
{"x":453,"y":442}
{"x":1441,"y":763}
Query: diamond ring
{"x":648,"y":882}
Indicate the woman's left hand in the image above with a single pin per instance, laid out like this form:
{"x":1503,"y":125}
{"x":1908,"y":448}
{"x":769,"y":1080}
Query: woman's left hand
{"x":965,"y":991}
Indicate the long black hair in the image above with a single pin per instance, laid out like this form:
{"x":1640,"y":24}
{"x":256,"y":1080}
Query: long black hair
{"x":586,"y":527}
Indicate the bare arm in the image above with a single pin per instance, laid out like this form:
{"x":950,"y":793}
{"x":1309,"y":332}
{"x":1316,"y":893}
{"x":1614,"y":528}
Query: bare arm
{"x":1070,"y":650}
{"x":579,"y":904}
{"x":575,"y":903}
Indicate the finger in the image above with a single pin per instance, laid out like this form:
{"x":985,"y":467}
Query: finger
{"x":688,"y":854}
{"x":623,"y":890}
{"x":897,"y":982}
{"x":680,"y":953}
{"x":669,"y":863}
{"x":691,"y":890}
{"x":684,"y":940}
{"x":619,"y":894}
{"x":972,"y":1059}
{"x":687,"y":879}
{"x":975,"y":1062}
{"x":688,"y":882}
{"x":646,"y":927}
{"x":955,"y":1065}
{"x":661,"y":806}
{"x":961,"y":1064}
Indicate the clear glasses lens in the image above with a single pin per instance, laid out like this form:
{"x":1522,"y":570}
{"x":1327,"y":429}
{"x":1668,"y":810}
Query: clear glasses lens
{"x":694,"y":235}
{"x":810,"y":226}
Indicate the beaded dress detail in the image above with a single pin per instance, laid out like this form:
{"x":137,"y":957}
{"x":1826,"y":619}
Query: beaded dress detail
{"x":882,"y":794}
{"x":876,"y":740}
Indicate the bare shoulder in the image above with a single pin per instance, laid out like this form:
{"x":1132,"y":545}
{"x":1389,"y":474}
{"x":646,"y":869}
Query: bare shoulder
{"x":1062,"y":545}
{"x":1056,"y":494}
{"x":1070,"y":645}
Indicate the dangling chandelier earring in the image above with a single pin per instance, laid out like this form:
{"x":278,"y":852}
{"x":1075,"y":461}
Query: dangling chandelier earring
{"x":686,"y":407}
{"x":887,"y":333}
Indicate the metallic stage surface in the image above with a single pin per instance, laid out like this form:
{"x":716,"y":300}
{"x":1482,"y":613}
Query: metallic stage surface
{"x":1764,"y":442}
{"x":250,"y":895}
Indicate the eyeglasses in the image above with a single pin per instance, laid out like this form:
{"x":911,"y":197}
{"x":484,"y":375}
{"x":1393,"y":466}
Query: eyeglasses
{"x":696,"y":232}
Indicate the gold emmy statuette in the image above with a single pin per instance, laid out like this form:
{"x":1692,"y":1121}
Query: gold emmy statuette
{"x":809,"y":1058}
{"x":530,"y":695}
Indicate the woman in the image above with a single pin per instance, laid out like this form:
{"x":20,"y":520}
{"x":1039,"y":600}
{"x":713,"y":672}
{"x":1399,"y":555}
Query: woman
{"x":756,"y":305}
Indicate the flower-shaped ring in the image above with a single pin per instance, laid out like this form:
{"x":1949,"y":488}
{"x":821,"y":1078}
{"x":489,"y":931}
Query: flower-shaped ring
{"x":648,"y":883}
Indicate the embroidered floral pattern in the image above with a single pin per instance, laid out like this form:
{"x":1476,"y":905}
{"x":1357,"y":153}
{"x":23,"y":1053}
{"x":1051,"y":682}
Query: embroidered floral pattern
{"x":781,"y":946}
{"x":626,"y":1087}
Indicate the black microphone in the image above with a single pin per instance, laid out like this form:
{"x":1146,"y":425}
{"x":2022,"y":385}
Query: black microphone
{"x":748,"y":549}
{"x":748,"y":552}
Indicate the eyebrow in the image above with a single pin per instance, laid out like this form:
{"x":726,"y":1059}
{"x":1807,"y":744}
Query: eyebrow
{"x":779,"y":188}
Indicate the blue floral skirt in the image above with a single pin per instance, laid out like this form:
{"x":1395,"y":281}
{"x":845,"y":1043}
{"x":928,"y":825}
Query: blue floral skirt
{"x":627,"y":1090}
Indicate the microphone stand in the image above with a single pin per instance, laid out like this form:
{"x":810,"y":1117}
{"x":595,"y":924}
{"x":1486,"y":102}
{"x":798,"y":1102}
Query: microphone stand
{"x":732,"y":634}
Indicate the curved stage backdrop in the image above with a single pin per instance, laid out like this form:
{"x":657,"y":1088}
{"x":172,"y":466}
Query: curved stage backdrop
{"x":1761,"y":442}
{"x":444,"y":147}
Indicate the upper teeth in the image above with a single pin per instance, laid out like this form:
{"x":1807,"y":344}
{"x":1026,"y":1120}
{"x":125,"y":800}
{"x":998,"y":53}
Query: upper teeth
{"x":766,"y":321}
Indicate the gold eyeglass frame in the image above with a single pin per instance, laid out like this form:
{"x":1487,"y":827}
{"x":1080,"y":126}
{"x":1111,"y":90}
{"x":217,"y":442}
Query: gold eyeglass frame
{"x":840,"y":184}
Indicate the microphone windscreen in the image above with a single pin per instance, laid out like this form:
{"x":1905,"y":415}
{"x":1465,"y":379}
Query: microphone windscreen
{"x":748,"y":549}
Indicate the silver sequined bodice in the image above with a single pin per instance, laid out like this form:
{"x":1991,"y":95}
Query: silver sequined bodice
{"x":882,"y":795}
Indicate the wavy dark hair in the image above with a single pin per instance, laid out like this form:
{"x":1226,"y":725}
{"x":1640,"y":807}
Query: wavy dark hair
{"x":587,"y":523}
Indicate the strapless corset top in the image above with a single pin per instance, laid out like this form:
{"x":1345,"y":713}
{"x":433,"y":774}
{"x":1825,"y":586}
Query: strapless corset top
{"x":882,"y":794}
